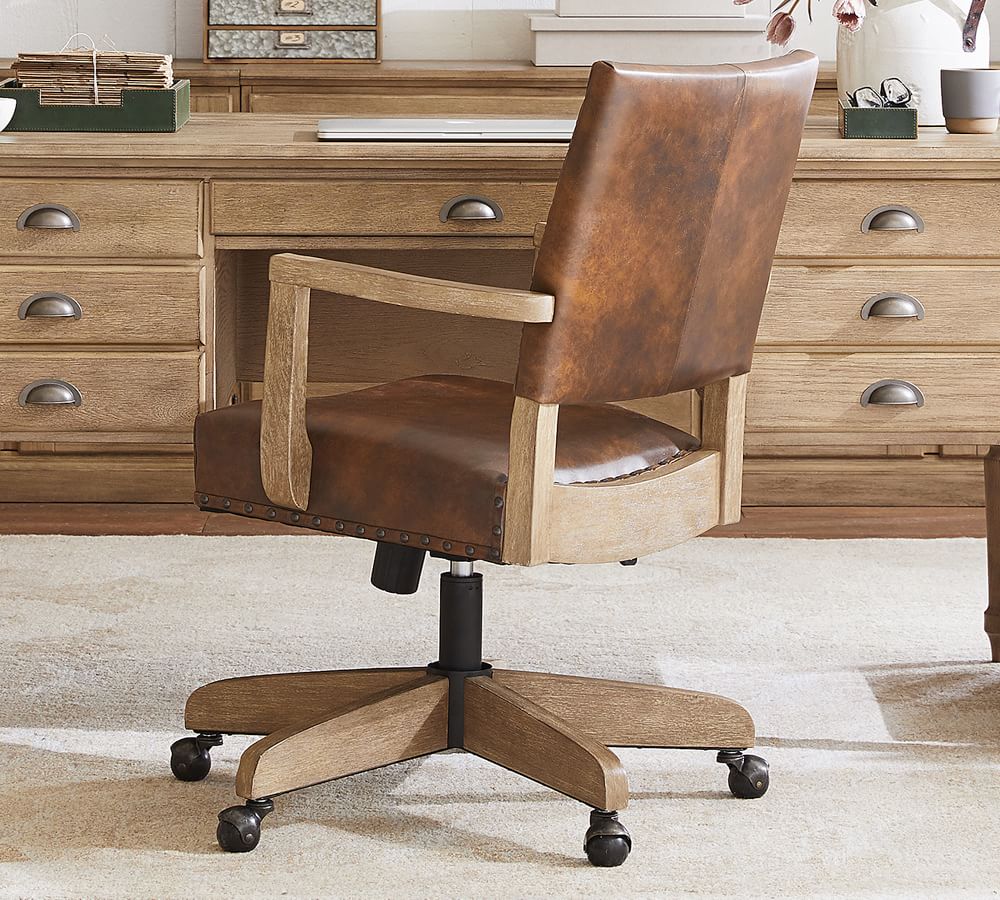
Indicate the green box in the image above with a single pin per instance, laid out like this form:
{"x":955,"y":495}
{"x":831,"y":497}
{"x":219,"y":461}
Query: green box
{"x":141,"y":110}
{"x":874,"y":123}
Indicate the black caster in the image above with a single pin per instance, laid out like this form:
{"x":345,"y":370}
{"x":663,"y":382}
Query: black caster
{"x":608,"y":842}
{"x":239,"y":826}
{"x":189,"y":757}
{"x":749,"y":776}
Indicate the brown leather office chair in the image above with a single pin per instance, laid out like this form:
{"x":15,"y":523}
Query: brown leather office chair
{"x":649,"y":279}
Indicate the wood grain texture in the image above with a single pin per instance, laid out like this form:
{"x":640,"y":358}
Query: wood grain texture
{"x":821,"y":305}
{"x":528,"y":521}
{"x":181,"y":517}
{"x":675,"y":409}
{"x":220,"y":324}
{"x":439,"y":73}
{"x":122,"y":392}
{"x":632,"y":517}
{"x":944,"y":177}
{"x":411,"y":291}
{"x":396,"y":87}
{"x":514,"y":732}
{"x":286,"y":454}
{"x":97,"y":448}
{"x":261,"y":704}
{"x":289,"y":99}
{"x":823,"y":219}
{"x":371,"y":207}
{"x":923,"y":482}
{"x":391,"y":78}
{"x":209,"y":140}
{"x":394,"y":77}
{"x":682,"y":410}
{"x":623,"y":714}
{"x":821,"y":392}
{"x":215,"y":100}
{"x":399,"y":724}
{"x":110,"y":478}
{"x":992,"y":617}
{"x":118,"y":218}
{"x":824,"y":102}
{"x":121,"y":304}
{"x":436,"y":87}
{"x":722,"y":424}
{"x":371,"y":342}
{"x":823,"y":522}
{"x":285,"y":450}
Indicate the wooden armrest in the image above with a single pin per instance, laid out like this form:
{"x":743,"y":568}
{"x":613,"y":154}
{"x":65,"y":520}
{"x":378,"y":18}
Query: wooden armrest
{"x":413,"y":291}
{"x":285,"y":450}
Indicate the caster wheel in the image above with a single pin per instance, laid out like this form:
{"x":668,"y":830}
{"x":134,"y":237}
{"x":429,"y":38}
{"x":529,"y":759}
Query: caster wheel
{"x":189,"y":757}
{"x":608,"y":842}
{"x":749,"y":776}
{"x":239,"y":826}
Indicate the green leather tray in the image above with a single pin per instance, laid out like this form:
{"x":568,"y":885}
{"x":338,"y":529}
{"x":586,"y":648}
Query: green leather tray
{"x":885,"y":124}
{"x":141,"y":110}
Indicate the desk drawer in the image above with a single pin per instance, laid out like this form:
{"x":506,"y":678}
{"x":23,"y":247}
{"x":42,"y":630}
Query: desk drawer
{"x":821,"y":392}
{"x":377,"y":207}
{"x":117,"y":392}
{"x":99,"y":305}
{"x":99,"y":218}
{"x":904,"y":305}
{"x":825,"y":218}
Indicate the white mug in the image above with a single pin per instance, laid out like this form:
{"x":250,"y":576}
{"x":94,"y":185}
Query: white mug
{"x":7,"y":105}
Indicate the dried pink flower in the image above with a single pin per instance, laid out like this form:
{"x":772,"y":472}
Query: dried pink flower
{"x":850,"y":13}
{"x":780,"y":29}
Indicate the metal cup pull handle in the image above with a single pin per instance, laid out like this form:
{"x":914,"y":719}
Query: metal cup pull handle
{"x":893,"y":218}
{"x":48,"y":217}
{"x":50,"y":392}
{"x":50,"y":305}
{"x":892,"y":392}
{"x":893,"y":305}
{"x":470,"y":208}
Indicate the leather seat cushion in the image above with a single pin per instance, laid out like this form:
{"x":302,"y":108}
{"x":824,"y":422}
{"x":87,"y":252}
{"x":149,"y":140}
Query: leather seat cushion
{"x":421,"y":461}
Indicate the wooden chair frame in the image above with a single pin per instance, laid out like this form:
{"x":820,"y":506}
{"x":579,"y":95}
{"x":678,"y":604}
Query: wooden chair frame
{"x":545,"y":522}
{"x":554,"y":729}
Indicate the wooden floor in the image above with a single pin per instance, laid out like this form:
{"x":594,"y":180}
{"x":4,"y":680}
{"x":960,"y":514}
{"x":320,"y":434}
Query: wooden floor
{"x":800,"y":522}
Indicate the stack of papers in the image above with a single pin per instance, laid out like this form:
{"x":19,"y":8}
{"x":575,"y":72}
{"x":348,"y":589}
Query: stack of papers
{"x":81,"y":78}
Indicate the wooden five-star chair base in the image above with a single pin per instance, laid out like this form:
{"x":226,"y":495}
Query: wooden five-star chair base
{"x":553,"y":729}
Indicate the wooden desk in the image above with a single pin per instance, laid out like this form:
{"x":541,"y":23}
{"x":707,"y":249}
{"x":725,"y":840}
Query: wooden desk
{"x":169,"y":269}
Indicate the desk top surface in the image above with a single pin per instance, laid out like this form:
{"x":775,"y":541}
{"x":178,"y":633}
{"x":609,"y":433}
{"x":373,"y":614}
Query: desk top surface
{"x":245,"y":139}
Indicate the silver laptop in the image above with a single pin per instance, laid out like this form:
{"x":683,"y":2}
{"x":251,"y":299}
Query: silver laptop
{"x":435,"y":129}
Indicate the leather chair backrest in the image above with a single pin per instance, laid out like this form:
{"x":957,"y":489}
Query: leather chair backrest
{"x":660,"y":239}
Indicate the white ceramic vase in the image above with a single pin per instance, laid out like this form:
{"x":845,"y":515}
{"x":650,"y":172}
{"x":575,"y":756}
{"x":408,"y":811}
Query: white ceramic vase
{"x":898,"y":54}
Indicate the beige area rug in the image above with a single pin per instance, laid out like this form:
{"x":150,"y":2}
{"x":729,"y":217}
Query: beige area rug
{"x":862,"y":661}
